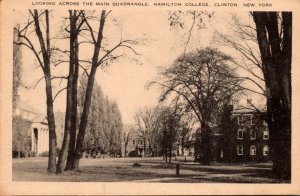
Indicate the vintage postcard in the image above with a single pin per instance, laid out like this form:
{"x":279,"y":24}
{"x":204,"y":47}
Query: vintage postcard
{"x":149,"y":97}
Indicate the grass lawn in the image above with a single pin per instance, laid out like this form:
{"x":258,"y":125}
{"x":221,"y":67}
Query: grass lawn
{"x":151,"y":170}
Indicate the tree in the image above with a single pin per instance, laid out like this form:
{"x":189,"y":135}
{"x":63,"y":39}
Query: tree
{"x":169,"y":127}
{"x":115,"y":130}
{"x":43,"y":58}
{"x":71,"y":108}
{"x":98,"y":60}
{"x":94,"y":136}
{"x":190,"y":20}
{"x":103,"y":131}
{"x":242,"y":38}
{"x":275,"y":45}
{"x":202,"y":82}
{"x":147,"y":123}
{"x":17,"y":68}
{"x":127,"y":130}
{"x":88,"y":94}
{"x":153,"y":136}
{"x":185,"y":132}
{"x":269,"y":72}
{"x":21,"y":140}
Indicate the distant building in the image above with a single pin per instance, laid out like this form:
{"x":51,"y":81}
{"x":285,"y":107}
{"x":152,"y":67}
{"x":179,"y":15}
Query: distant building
{"x":135,"y":146}
{"x":245,"y":137}
{"x":39,"y":133}
{"x":36,"y":130}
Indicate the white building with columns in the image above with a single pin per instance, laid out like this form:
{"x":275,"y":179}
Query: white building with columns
{"x":38,"y":131}
{"x":39,"y":137}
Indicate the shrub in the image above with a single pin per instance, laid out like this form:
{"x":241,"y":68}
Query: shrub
{"x":44,"y":154}
{"x":133,"y":153}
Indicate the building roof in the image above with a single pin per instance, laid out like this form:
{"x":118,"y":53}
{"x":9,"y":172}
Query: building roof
{"x":247,"y":110}
{"x":41,"y":119}
{"x":31,"y":114}
{"x":23,"y":106}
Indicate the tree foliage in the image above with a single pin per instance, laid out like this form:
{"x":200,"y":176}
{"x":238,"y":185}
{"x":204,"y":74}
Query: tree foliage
{"x":21,"y":141}
{"x":169,"y":128}
{"x":104,"y":128}
{"x":202,"y":82}
{"x":242,"y":39}
{"x":17,"y":67}
{"x":163,"y":130}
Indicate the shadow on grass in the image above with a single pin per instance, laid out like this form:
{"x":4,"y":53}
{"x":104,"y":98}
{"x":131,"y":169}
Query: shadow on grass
{"x":150,"y":171}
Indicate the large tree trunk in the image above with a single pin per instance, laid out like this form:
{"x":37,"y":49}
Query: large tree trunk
{"x":51,"y":124}
{"x":88,"y":95}
{"x":197,"y":146}
{"x":74,"y":111}
{"x":64,"y":149}
{"x":71,"y":109}
{"x":205,"y":149}
{"x":84,"y":119}
{"x":66,"y":140}
{"x":45,"y":49}
{"x":276,"y":58}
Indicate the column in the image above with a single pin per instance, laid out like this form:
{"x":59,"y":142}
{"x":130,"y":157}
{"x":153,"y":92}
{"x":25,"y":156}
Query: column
{"x":32,"y":139}
{"x":43,"y":141}
{"x":47,"y":139}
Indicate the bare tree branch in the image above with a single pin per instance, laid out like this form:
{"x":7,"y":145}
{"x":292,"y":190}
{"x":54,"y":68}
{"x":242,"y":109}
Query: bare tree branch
{"x":38,"y":82}
{"x":84,"y":69}
{"x":61,"y":90}
{"x":183,"y":95}
{"x":190,"y":32}
{"x":32,"y":48}
{"x":90,"y":28}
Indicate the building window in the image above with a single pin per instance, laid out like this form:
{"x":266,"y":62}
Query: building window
{"x":240,"y":150}
{"x":265,"y":123}
{"x":266,"y":150}
{"x":253,"y":134}
{"x":252,"y":150}
{"x":240,"y":134}
{"x":266,"y":134}
{"x":133,"y":142}
{"x":240,"y":120}
{"x":251,"y":120}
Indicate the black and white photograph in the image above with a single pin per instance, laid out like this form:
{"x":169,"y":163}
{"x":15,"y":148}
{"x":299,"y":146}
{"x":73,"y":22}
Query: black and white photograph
{"x":112,"y":93}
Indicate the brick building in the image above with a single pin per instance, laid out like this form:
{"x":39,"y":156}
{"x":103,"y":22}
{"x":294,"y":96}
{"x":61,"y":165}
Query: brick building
{"x":245,"y":137}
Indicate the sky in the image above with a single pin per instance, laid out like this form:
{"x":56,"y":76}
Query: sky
{"x":124,"y":80}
